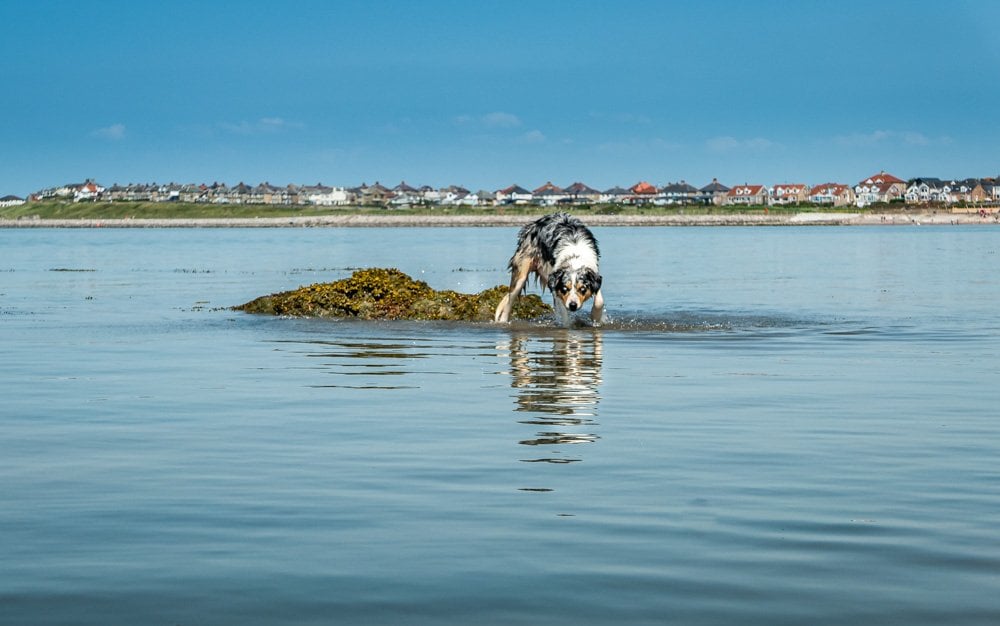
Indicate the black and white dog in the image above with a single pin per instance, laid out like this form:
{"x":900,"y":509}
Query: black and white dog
{"x":563,"y":254}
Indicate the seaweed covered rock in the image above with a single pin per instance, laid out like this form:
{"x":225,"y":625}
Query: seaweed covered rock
{"x":380,"y":293}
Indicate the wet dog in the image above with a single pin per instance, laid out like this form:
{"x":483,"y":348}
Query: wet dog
{"x":563,"y":254}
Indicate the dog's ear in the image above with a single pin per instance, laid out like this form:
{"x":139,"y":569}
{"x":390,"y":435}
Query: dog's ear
{"x":556,"y":278}
{"x":593,"y":280}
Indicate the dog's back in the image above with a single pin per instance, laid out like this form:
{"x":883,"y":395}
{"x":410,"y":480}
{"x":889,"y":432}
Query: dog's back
{"x":543,"y":240}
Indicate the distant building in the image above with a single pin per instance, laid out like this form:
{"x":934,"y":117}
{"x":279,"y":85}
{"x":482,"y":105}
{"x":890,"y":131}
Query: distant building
{"x":991,"y":189}
{"x":935,"y":190}
{"x":787,"y":194}
{"x":375,"y":194}
{"x":924,"y":190}
{"x":677,"y":193}
{"x":714,"y":192}
{"x":88,"y":191}
{"x":615,"y":195}
{"x":454,"y":195}
{"x":580,"y":193}
{"x":832,"y":194}
{"x":642,"y":192}
{"x":746,"y":195}
{"x":405,"y":195}
{"x":549,"y":194}
{"x":973,"y":191}
{"x":322,"y":195}
{"x":879,"y":188}
{"x":476,"y":198}
{"x":515,"y":194}
{"x":8,"y":201}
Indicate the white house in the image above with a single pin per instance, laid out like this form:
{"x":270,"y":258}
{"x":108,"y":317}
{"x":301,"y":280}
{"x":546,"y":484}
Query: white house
{"x":8,"y":201}
{"x":991,"y":189}
{"x":677,"y":193}
{"x":515,"y":194}
{"x":321,"y":195}
{"x":405,"y":195}
{"x":549,"y":194}
{"x":788,"y":194}
{"x":453,"y":195}
{"x":615,"y":195}
{"x":881,"y":187}
{"x":925,"y":190}
{"x":87,"y":191}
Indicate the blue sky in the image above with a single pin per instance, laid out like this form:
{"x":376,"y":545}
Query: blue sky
{"x":486,"y":94}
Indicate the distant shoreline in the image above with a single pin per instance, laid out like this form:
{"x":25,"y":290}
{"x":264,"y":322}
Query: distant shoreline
{"x":409,"y":221}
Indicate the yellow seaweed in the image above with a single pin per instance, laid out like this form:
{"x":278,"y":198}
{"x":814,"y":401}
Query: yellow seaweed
{"x":387,"y":293}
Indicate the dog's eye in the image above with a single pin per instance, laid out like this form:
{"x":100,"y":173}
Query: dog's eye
{"x":582,"y":289}
{"x":563,"y":289}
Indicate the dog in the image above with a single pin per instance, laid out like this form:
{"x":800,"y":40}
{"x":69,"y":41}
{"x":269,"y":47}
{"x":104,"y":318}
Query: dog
{"x":563,"y":254}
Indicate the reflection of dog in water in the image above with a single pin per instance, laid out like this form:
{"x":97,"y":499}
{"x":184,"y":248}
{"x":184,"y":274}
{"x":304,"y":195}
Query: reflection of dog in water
{"x":557,"y":376}
{"x":563,"y":254}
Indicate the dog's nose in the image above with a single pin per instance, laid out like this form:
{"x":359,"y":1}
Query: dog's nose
{"x":573,"y":306}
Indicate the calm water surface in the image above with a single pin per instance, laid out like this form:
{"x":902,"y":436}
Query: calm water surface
{"x":780,"y":426}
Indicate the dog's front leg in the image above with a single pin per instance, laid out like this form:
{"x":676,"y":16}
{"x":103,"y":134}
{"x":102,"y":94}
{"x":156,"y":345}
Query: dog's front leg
{"x":502,"y":314}
{"x":506,"y":306}
{"x":597,"y":311}
{"x":562,"y":313}
{"x":518,"y":278}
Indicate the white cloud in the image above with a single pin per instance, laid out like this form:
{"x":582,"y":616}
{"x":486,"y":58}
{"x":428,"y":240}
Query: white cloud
{"x":115,"y":132}
{"x":914,"y":138}
{"x":727,"y":143}
{"x":496,"y":119}
{"x":881,"y":137}
{"x":622,"y":117}
{"x":499,"y":119}
{"x":273,"y":123}
{"x":640,"y":144}
{"x":533,"y":136}
{"x":262,"y":126}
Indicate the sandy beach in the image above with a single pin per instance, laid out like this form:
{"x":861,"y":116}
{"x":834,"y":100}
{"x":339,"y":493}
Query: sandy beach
{"x":485,"y":220}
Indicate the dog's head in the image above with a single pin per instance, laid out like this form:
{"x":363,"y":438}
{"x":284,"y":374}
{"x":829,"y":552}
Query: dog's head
{"x":574,"y":286}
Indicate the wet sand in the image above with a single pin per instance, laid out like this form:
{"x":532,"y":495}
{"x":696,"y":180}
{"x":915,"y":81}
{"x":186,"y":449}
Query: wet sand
{"x":391,"y":220}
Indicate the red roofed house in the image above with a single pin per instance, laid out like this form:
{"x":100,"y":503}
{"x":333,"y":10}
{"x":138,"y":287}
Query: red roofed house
{"x":881,"y":178}
{"x":832,"y":194}
{"x":881,"y":187}
{"x":549,"y":194}
{"x":579,"y":192}
{"x":87,"y":191}
{"x":788,"y":194}
{"x":643,"y":192}
{"x":747,"y":195}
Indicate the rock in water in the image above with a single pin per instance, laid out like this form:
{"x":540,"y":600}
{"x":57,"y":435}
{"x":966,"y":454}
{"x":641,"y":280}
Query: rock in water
{"x":380,"y":293}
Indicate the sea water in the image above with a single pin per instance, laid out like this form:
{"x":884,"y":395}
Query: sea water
{"x":778,"y":426}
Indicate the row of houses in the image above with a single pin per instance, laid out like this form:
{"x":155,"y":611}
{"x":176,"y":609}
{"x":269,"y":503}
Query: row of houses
{"x":881,"y":188}
{"x":218,"y":193}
